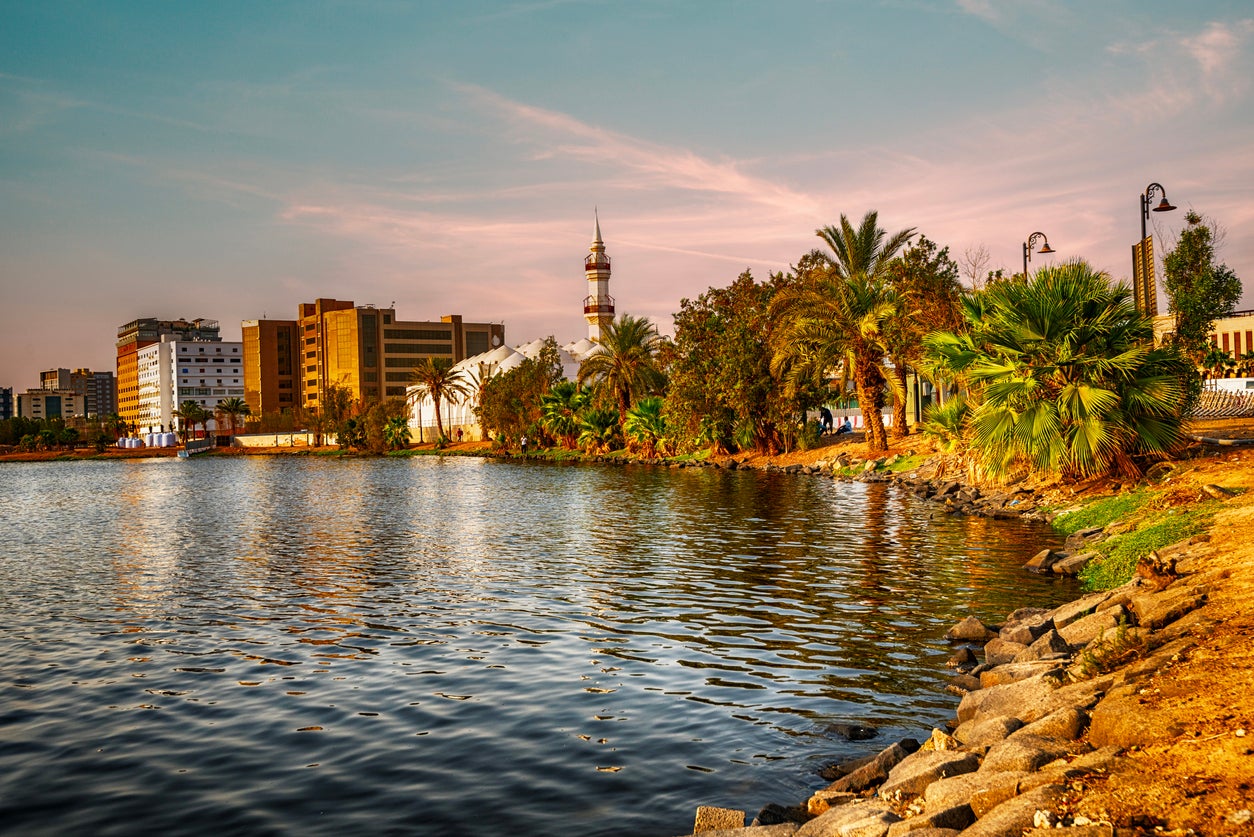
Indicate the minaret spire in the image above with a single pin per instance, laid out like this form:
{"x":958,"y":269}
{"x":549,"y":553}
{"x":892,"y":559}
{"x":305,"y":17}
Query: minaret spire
{"x":598,"y":305}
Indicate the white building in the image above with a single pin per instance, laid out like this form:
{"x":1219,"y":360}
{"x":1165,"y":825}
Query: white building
{"x":173,"y":371}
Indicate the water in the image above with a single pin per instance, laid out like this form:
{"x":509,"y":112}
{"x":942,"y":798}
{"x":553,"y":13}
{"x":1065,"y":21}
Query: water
{"x":301,"y":646}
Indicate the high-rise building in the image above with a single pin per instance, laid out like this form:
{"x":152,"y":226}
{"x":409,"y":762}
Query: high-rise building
{"x":598,"y":305}
{"x":99,"y":389}
{"x":172,"y":371}
{"x":51,"y":403}
{"x":6,"y":403}
{"x":146,"y":331}
{"x":366,"y":350}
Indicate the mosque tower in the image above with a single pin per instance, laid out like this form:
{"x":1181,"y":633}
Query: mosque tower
{"x":598,"y":305}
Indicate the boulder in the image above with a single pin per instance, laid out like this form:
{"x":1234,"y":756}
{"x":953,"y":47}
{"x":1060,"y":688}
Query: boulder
{"x":1084,"y":630}
{"x":962,"y":658}
{"x":838,"y":822}
{"x":956,"y":817}
{"x":1023,"y":753}
{"x":1050,"y":646}
{"x":1010,"y":699}
{"x":853,"y":732}
{"x":820,"y":801}
{"x":1066,"y":724}
{"x":981,"y":734}
{"x":995,"y":789}
{"x":1043,"y":560}
{"x":1025,"y":625}
{"x":1155,"y":610}
{"x":876,"y":770}
{"x":912,"y":775}
{"x":1072,"y":564}
{"x":999,"y":652}
{"x":1014,"y":672}
{"x":712,"y":819}
{"x":970,"y":629}
{"x":776,"y":830}
{"x":773,"y":814}
{"x":1064,"y":615}
{"x":1121,"y":720}
{"x":1015,"y":815}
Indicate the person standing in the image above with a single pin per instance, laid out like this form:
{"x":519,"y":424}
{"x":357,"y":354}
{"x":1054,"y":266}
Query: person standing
{"x":523,"y":443}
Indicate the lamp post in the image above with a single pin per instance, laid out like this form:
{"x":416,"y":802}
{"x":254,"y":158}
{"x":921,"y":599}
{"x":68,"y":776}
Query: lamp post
{"x":1144,"y":286}
{"x":1027,"y":250}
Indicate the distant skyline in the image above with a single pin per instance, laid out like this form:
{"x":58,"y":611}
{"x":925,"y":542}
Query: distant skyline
{"x":231,"y":160}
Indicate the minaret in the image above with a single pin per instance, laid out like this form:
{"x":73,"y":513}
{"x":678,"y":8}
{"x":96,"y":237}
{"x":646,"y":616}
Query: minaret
{"x":598,"y":305}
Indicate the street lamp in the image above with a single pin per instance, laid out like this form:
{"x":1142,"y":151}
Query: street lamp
{"x":1144,"y":286}
{"x":1027,"y":250}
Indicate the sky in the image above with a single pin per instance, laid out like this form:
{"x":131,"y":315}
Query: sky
{"x":230,"y":160}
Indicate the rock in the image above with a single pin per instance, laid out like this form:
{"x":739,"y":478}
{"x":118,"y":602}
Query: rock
{"x":838,"y":821}
{"x":940,"y":741}
{"x":772,"y":814}
{"x":1023,"y":753}
{"x":998,"y":651}
{"x":1050,"y":646}
{"x":1082,"y":631}
{"x":875,"y":771}
{"x":1159,"y":471}
{"x":1064,"y":615}
{"x":1066,"y":724}
{"x":1010,"y":699}
{"x":962,"y":658}
{"x":1014,"y":672}
{"x":1043,"y":560}
{"x":1120,"y":720}
{"x":1073,"y":564}
{"x":776,"y":830}
{"x":853,"y":732}
{"x":956,"y":817}
{"x":912,"y":775}
{"x":1154,"y":610}
{"x":981,"y":734}
{"x":823,"y":800}
{"x":970,"y":629}
{"x":712,"y":819}
{"x":1025,"y":625}
{"x":1015,"y":815}
{"x":1218,"y":492}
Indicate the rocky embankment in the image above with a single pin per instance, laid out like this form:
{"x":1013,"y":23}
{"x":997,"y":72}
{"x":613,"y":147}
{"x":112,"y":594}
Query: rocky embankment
{"x":1051,"y":700}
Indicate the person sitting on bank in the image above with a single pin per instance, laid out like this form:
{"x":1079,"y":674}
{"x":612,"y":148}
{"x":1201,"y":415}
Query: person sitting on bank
{"x":846,"y":427}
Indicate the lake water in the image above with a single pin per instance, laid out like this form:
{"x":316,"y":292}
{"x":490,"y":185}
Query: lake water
{"x":459,"y":646}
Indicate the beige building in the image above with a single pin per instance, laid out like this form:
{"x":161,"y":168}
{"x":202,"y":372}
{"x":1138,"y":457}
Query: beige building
{"x":1234,"y":335}
{"x":366,"y":350}
{"x":146,"y":331}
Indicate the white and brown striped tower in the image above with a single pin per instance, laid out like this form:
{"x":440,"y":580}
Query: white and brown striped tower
{"x":598,"y":305}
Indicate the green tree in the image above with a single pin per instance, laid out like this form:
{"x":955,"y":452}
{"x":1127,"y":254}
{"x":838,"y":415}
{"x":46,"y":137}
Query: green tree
{"x":437,"y":379}
{"x":601,"y":431}
{"x":189,"y":414}
{"x":397,"y":433}
{"x":510,"y":404}
{"x":68,"y":437}
{"x":645,"y":427}
{"x":560,"y":409}
{"x":1066,"y":375}
{"x":232,"y":409}
{"x":839,"y":316}
{"x":1198,"y":292}
{"x":928,"y":291}
{"x":625,"y":366}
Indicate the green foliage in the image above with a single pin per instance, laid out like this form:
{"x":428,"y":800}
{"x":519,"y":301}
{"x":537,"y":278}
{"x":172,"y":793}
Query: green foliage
{"x":560,"y":409}
{"x":1064,"y":374}
{"x":810,"y":435}
{"x":438,"y":380}
{"x":645,"y":427}
{"x":626,"y":366}
{"x":1121,"y":506}
{"x":1120,"y":553}
{"x":510,"y":403}
{"x":233,"y":409}
{"x":601,"y":431}
{"x":1106,"y":655}
{"x":721,"y":377}
{"x":946,"y":423}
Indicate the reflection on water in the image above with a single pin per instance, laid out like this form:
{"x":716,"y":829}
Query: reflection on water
{"x":290,"y":645}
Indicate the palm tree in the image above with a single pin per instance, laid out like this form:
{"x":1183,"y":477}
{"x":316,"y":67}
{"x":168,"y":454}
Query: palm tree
{"x":435,"y":377}
{"x":839,"y":317}
{"x":600,"y":430}
{"x":1066,"y":374}
{"x":560,"y":408}
{"x":396,"y":432}
{"x":233,"y":408}
{"x":189,"y":414}
{"x":646,"y":426}
{"x":625,"y":365}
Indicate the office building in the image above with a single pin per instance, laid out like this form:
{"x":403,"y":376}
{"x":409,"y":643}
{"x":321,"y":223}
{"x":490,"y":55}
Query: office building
{"x":147,"y":331}
{"x":172,"y":371}
{"x":99,"y":389}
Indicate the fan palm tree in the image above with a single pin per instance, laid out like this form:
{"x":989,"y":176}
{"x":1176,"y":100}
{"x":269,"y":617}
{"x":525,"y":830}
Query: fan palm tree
{"x":396,"y":432}
{"x":600,"y":431}
{"x":436,"y":378}
{"x":1066,"y":374}
{"x":233,"y":408}
{"x":560,"y":408}
{"x":838,"y":318}
{"x":646,"y":426}
{"x":625,"y":366}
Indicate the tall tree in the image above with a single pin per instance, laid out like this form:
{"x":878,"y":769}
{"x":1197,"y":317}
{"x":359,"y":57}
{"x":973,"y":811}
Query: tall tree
{"x":1198,"y":292}
{"x":1066,"y":374}
{"x":189,"y":414}
{"x":436,"y":378}
{"x":560,"y":410}
{"x":929,"y":298}
{"x":233,"y":408}
{"x":840,"y":314}
{"x":625,"y":366}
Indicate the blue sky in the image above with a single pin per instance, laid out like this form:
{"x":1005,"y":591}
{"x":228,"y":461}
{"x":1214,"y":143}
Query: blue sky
{"x":231,"y":160}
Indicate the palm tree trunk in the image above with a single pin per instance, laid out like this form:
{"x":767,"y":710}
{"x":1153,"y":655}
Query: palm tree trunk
{"x":899,"y":402}
{"x":869,"y":401}
{"x":439,"y":424}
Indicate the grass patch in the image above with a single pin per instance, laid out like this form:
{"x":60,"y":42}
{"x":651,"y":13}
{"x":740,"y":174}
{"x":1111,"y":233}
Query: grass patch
{"x":1120,"y":553}
{"x":1119,"y":507}
{"x":905,"y":463}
